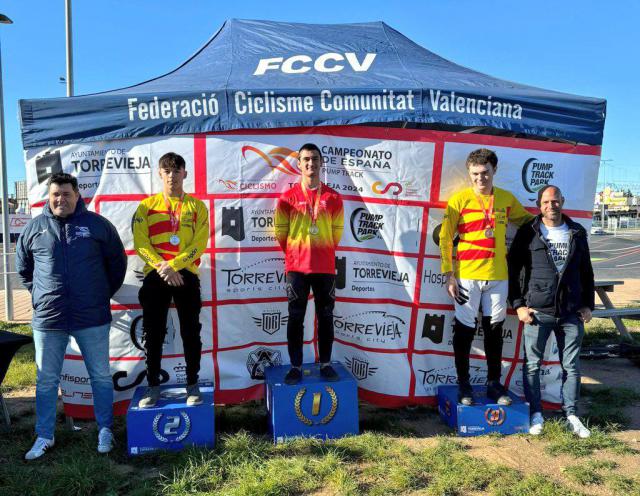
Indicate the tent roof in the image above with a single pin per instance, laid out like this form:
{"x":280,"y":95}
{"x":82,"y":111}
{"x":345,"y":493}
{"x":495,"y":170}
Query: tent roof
{"x":264,"y":74}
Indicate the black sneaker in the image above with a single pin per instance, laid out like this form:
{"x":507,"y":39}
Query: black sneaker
{"x":465,"y":394}
{"x":293,"y":377}
{"x":327,"y":372}
{"x":498,"y":393}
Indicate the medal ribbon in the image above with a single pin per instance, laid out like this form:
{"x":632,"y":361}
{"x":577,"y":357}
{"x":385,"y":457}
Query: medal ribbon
{"x":174,"y":215}
{"x":488,"y":214}
{"x":313,"y":211}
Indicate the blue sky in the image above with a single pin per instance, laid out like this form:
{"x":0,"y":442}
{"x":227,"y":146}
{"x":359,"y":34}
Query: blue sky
{"x":584,"y":47}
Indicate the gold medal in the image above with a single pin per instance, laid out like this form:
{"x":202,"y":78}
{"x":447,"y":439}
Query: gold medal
{"x":312,"y":209}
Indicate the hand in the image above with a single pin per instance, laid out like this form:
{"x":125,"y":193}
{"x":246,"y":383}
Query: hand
{"x":584,"y":314}
{"x":164,"y":269}
{"x":525,"y":315}
{"x":174,"y":279}
{"x":452,"y":285}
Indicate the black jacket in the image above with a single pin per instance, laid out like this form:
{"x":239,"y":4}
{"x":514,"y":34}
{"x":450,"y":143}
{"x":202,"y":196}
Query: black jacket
{"x":534,"y":280}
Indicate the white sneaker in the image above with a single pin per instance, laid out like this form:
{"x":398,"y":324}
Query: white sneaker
{"x":578,"y":427}
{"x":537,"y":423}
{"x":105,"y":440}
{"x":39,"y":448}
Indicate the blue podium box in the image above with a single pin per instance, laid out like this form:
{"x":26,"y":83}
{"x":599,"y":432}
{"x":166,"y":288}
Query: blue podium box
{"x":314,"y":407}
{"x":484,"y":416}
{"x":171,"y":424}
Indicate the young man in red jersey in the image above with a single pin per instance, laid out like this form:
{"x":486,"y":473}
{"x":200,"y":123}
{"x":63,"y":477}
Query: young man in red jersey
{"x":479,"y":276}
{"x":309,"y":221}
{"x":170,"y":233}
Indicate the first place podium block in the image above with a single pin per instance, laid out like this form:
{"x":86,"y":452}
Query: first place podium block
{"x":314,"y":407}
{"x":171,"y":424}
{"x":484,"y":416}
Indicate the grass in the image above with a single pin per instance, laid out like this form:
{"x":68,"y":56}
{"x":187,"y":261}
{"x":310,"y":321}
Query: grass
{"x":602,"y":331}
{"x":380,"y":461}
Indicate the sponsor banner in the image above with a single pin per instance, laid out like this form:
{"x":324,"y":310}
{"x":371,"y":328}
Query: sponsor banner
{"x":382,"y":227}
{"x":524,"y":172}
{"x":437,"y":370}
{"x":386,"y":373}
{"x":372,"y":325}
{"x":375,"y":276}
{"x":17,"y":222}
{"x":433,"y":284}
{"x":435,"y":332}
{"x":244,"y":367}
{"x":107,"y":168}
{"x":390,"y":169}
{"x":386,"y":186}
{"x":550,"y":382}
{"x":245,"y":223}
{"x":258,"y":323}
{"x":249,"y":275}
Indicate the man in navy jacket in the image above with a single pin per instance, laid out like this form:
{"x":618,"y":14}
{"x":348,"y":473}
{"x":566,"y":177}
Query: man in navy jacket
{"x":551,"y":287}
{"x":72,"y":262}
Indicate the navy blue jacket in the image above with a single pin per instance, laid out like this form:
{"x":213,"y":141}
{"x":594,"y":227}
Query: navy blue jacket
{"x":71,"y":267}
{"x":534,"y":280}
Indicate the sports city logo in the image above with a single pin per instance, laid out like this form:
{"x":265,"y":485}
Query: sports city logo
{"x":279,"y":158}
{"x":374,"y":326}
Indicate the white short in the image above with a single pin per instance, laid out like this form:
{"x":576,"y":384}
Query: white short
{"x":472,"y":294}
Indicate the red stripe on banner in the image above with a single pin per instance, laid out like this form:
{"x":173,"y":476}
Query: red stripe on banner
{"x":432,"y":257}
{"x":516,"y":356}
{"x":378,"y":252}
{"x":374,"y":350}
{"x":258,"y":343}
{"x":416,"y":302}
{"x":397,"y":134}
{"x":214,"y":300}
{"x":436,"y":176}
{"x":231,"y":396}
{"x":437,"y":306}
{"x":239,"y":301}
{"x":200,"y":163}
{"x":385,"y":301}
{"x":475,"y":254}
{"x":86,"y":411}
{"x":248,"y":249}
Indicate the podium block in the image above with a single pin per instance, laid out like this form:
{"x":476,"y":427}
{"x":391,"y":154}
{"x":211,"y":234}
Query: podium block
{"x":314,"y":407}
{"x":484,"y":416}
{"x":171,"y":424}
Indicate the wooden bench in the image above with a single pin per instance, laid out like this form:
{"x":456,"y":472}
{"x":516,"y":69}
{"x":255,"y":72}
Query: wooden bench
{"x":610,"y":311}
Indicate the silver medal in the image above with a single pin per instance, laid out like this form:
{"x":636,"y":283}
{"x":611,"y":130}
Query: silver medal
{"x":174,"y":240}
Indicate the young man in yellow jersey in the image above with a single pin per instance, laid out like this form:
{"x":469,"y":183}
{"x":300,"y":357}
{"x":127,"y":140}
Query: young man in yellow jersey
{"x":170,"y":232}
{"x":479,"y":216}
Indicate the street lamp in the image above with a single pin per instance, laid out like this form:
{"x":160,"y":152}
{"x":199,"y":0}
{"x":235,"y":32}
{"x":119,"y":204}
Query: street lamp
{"x":8,"y":301}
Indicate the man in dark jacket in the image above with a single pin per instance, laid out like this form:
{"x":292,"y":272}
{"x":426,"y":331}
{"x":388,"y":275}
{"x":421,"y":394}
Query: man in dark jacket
{"x":551,"y":287}
{"x":72,"y":262}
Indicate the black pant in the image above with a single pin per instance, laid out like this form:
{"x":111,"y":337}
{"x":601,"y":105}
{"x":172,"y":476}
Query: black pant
{"x":155,"y":297}
{"x":462,"y":341}
{"x":324,"y":294}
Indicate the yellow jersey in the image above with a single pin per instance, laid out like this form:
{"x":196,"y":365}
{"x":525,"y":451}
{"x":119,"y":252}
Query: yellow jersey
{"x":152,"y":232}
{"x":479,"y":257}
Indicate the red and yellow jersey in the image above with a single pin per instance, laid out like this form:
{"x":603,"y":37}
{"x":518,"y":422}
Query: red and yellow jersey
{"x":305,"y":252}
{"x":152,"y":231}
{"x":479,"y":257}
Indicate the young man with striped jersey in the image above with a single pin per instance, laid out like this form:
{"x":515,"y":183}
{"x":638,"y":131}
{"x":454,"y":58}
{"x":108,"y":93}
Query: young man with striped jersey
{"x":479,"y":279}
{"x":309,"y":221}
{"x":170,"y":233}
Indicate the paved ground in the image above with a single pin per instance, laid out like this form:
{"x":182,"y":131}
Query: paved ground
{"x":616,"y":257}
